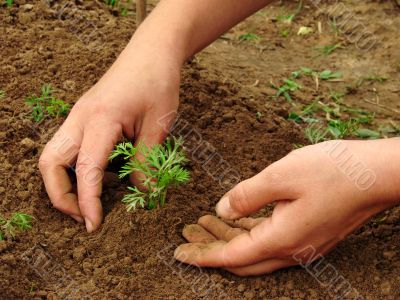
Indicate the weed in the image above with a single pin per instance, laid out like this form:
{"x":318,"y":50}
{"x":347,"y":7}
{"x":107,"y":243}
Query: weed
{"x":284,"y":32}
{"x":324,"y":75}
{"x":47,"y":105}
{"x":376,"y":78}
{"x":315,"y":134}
{"x":335,"y":28}
{"x":340,"y":129}
{"x":329,"y":49}
{"x":259,"y":115}
{"x":290,"y":18}
{"x":329,"y":75}
{"x":16,"y":223}
{"x":122,"y":6}
{"x":366,"y":133}
{"x":2,"y":94}
{"x":162,"y":167}
{"x":391,"y":128}
{"x":337,"y":97}
{"x":9,"y":3}
{"x":249,"y":37}
{"x":288,"y":87}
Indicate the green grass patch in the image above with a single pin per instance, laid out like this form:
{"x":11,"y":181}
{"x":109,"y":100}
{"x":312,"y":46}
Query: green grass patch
{"x":46,"y":105}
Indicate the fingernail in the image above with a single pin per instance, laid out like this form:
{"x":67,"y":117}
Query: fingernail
{"x":77,"y":218}
{"x":89,"y":225}
{"x":224,"y":209}
{"x":180,"y":254}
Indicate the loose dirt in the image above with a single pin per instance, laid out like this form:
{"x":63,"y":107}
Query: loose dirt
{"x":70,"y":45}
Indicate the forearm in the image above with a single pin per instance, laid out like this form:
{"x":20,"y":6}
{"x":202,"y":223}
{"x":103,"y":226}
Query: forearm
{"x":393,"y":167}
{"x":177,"y":29}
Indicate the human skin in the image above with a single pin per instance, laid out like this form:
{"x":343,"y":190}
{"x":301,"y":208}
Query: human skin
{"x":139,"y":89}
{"x":320,"y":197}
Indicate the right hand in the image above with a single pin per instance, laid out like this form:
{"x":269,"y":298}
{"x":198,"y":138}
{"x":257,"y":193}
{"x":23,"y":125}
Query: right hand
{"x":129,"y":100}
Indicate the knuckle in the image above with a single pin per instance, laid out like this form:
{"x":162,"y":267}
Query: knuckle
{"x":43,"y":163}
{"x":57,"y":202}
{"x":239,"y":199}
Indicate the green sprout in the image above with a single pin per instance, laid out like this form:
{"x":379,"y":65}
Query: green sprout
{"x":287,"y":88}
{"x":2,"y":94}
{"x":16,"y":223}
{"x":336,"y":96}
{"x":161,"y":168}
{"x":122,"y":6}
{"x":284,"y":32}
{"x":335,"y":27}
{"x":290,"y":18}
{"x":47,"y":105}
{"x":329,"y":49}
{"x":340,"y":129}
{"x":249,"y":37}
{"x":315,"y":134}
{"x":9,"y":3}
{"x":329,"y":75}
{"x":366,"y":133}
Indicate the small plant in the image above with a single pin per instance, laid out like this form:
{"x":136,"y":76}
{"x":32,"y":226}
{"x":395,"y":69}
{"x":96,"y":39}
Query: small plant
{"x":315,"y":134}
{"x":2,"y":94}
{"x":329,"y":49}
{"x":324,"y":75}
{"x":335,"y":27}
{"x":161,"y":167}
{"x":47,"y":104}
{"x":122,"y":6}
{"x":329,"y":75}
{"x":9,"y":3}
{"x":285,"y":32}
{"x":287,"y":88}
{"x":16,"y":223}
{"x":340,"y":129}
{"x":285,"y":18}
{"x":249,"y":37}
{"x":336,"y":96}
{"x":366,"y":133}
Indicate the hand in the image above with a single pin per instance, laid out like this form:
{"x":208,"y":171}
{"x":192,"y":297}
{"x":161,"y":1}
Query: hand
{"x":129,"y":100}
{"x":322,"y":193}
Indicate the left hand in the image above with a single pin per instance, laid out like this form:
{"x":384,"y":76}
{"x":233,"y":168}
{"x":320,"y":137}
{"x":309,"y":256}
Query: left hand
{"x":320,"y":198}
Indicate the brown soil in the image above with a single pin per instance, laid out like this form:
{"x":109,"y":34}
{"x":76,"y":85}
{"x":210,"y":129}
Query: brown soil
{"x":131,"y":255}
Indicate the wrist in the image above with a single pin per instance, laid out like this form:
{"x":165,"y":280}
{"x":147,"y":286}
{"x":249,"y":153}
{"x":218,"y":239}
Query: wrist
{"x":394,"y":167}
{"x":387,"y":157}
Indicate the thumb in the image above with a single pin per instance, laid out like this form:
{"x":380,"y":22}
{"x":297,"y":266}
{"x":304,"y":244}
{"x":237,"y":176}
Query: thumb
{"x":254,"y":193}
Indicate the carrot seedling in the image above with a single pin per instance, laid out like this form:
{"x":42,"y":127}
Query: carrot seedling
{"x":16,"y":223}
{"x":161,"y":167}
{"x":47,"y":105}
